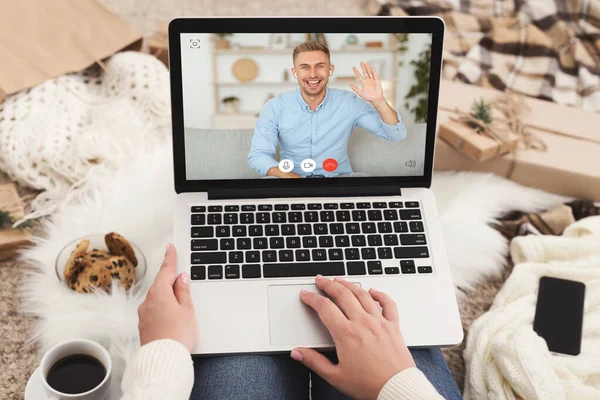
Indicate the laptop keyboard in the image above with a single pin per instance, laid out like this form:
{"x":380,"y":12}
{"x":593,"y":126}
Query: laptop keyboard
{"x":232,"y":242}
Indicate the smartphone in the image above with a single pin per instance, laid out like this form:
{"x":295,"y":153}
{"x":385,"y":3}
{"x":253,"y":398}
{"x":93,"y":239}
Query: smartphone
{"x":559,"y":314}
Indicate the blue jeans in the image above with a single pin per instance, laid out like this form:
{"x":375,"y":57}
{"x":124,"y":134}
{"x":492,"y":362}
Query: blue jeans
{"x":277,"y":376}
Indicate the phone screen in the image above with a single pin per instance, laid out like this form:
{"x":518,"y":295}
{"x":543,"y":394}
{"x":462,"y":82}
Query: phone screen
{"x":559,"y":314}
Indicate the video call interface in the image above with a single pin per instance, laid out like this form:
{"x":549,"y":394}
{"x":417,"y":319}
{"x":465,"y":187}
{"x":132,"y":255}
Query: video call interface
{"x":302,"y":106}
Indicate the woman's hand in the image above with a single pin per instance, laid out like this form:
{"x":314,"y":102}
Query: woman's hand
{"x":369,"y":345}
{"x":168,"y":311}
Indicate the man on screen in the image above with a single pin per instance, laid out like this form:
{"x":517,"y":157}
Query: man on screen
{"x":315,"y":122}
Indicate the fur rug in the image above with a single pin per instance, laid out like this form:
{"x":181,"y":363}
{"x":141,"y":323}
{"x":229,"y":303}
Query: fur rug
{"x":138,"y":202}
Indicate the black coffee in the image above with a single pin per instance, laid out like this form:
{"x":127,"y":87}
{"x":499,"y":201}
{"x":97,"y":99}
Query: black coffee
{"x":76,"y":373}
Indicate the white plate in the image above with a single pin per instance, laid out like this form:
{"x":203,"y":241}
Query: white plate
{"x":35,"y":388}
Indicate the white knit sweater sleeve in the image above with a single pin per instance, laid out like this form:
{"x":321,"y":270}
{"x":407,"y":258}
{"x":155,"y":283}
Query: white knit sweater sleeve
{"x":162,"y":369}
{"x":409,"y":384}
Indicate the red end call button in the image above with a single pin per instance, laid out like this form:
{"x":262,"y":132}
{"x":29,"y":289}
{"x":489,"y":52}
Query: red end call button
{"x":330,"y":165}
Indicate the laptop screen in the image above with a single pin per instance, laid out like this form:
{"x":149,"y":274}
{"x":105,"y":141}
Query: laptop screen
{"x":314,"y":105}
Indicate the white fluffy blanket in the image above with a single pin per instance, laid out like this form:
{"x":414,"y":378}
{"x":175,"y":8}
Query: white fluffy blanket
{"x":504,"y":357}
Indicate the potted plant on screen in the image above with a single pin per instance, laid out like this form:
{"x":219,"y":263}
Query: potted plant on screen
{"x":221,"y":41}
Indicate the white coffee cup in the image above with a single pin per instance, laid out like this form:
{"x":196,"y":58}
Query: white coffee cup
{"x":71,"y":347}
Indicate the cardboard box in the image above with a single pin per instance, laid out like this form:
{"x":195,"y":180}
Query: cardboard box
{"x":46,"y":39}
{"x":11,"y":240}
{"x":159,"y":44}
{"x":571,"y":164}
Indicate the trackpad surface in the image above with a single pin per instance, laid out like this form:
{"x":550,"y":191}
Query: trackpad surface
{"x":292,"y":322}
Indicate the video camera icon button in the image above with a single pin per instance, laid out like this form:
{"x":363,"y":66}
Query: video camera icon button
{"x":286,"y":165}
{"x":308,"y":165}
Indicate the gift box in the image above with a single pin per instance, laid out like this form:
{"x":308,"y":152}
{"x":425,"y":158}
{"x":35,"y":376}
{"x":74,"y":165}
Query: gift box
{"x":568,"y":164}
{"x":159,"y":44}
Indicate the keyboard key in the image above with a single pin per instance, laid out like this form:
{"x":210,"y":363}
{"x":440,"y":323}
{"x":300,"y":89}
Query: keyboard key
{"x":342,"y":241}
{"x":407,"y":263}
{"x":311,"y":216}
{"x":282,"y":207}
{"x":247,"y":218}
{"x":384,"y":253}
{"x":425,"y":270}
{"x":412,"y":204}
{"x":253,"y":256}
{"x":408,"y":270}
{"x":232,"y":208}
{"x":352,"y":254}
{"x":265,"y":207}
{"x":232,"y":272}
{"x":272,"y":230}
{"x":314,"y":206}
{"x":352,"y":228}
{"x":298,"y":206}
{"x":336,"y":229}
{"x":244,"y":244}
{"x":250,"y":271}
{"x":286,"y":255}
{"x":208,"y":258}
{"x":390,"y":240}
{"x":374,"y":215}
{"x":239,"y":230}
{"x":249,"y":207}
{"x":358,"y":241}
{"x":204,"y":244}
{"x":276,"y":243}
{"x":359,"y":215}
{"x":279,"y":218}
{"x":319,"y":255}
{"x":395,"y":204}
{"x":356,"y":268}
{"x":304,"y":229}
{"x":288,"y":230}
{"x":320,"y":229}
{"x":368,"y":253}
{"x":227,"y":244}
{"x":214,"y":219}
{"x":384,"y":227}
{"x":263,"y":218}
{"x":295,"y":216}
{"x":309,"y":241}
{"x":342,"y":216}
{"x":363,"y":205}
{"x":392,"y":270}
{"x":331,"y":206}
{"x":400,"y":227}
{"x":379,"y":205}
{"x":408,"y":239}
{"x":390,"y":215}
{"x":302,"y":255}
{"x":198,"y":209}
{"x":198,"y":272}
{"x":223,"y":231}
{"x":374,"y":267}
{"x":205,"y":231}
{"x":269,"y":256}
{"x":255,"y":230}
{"x":410,"y":214}
{"x":215,"y":272}
{"x":368,"y":227}
{"x":304,"y":269}
{"x":335,"y":254}
{"x":236,"y":257}
{"x":411,"y":252}
{"x":327,"y":216}
{"x":326,"y":241}
{"x":260,"y":243}
{"x":347,"y":206}
{"x":215,"y":208}
{"x":198,"y":219}
{"x":416,"y":226}
{"x":374,"y":240}
{"x":292,"y":242}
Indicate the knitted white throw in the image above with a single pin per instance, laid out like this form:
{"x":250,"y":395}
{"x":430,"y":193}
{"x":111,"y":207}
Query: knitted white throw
{"x":504,"y":357}
{"x":56,"y":136}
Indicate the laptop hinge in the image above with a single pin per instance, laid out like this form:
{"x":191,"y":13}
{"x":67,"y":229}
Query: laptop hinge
{"x":331,"y":191}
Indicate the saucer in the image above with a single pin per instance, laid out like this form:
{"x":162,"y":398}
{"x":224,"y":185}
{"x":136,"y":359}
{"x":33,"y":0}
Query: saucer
{"x":35,"y":388}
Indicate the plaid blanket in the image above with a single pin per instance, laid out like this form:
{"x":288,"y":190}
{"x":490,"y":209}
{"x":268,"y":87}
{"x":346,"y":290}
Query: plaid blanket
{"x":548,"y":49}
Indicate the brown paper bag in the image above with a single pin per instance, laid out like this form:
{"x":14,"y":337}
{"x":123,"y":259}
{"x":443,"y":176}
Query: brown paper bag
{"x":45,"y":39}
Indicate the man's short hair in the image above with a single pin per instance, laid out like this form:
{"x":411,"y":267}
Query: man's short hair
{"x":310,"y":46}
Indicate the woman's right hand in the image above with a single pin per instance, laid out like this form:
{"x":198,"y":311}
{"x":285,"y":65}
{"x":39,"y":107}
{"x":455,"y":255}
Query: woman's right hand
{"x":368,"y":342}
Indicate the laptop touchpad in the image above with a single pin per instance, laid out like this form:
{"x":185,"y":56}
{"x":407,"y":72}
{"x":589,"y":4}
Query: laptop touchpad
{"x":291,"y":321}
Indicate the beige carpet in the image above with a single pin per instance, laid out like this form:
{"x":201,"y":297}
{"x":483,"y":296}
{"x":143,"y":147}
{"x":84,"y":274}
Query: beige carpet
{"x":17,"y":358}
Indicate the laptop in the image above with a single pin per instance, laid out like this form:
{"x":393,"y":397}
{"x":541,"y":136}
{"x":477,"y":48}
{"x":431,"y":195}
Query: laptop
{"x":305,"y":146}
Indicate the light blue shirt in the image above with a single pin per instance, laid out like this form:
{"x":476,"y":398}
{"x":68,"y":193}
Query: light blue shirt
{"x":318,"y":135}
